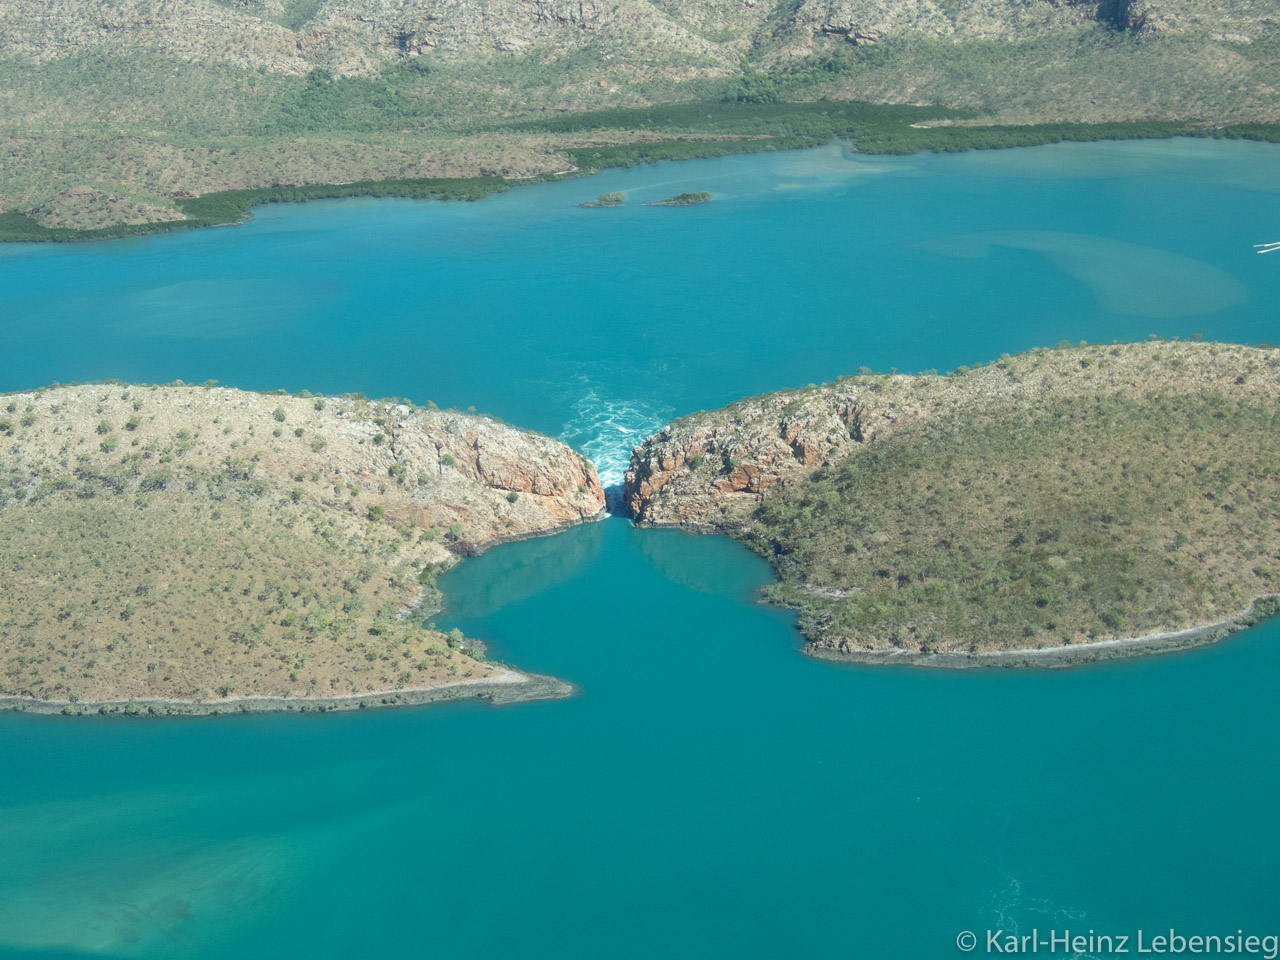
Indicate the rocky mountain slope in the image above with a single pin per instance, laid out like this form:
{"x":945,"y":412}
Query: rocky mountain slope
{"x":698,"y":37}
{"x":206,"y":544}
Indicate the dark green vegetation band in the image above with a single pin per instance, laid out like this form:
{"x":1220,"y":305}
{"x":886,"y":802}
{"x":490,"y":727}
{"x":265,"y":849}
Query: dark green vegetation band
{"x":233,"y":206}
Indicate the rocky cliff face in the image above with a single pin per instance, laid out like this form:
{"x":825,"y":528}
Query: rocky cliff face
{"x":708,"y":469}
{"x":499,"y":482}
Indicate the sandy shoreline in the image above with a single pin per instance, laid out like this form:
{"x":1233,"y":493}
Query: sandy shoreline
{"x":509,"y":687}
{"x":1162,"y":641}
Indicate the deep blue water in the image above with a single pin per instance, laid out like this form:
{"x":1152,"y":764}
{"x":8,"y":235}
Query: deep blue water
{"x":710,"y":793}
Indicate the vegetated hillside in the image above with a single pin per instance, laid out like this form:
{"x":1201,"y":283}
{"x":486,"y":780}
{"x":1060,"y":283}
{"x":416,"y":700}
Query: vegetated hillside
{"x":112,"y":112}
{"x":198,"y":542}
{"x":1049,"y":499}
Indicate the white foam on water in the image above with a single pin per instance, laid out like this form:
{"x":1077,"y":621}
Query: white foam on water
{"x":1016,"y":910}
{"x":605,"y":429}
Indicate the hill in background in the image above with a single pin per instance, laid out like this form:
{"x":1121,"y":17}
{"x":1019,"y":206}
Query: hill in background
{"x":115,"y":112}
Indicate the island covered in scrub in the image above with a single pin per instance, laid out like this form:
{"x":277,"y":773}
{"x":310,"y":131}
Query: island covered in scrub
{"x":182,"y":549}
{"x":683,"y":200}
{"x":1052,"y":507}
{"x":606,"y":200}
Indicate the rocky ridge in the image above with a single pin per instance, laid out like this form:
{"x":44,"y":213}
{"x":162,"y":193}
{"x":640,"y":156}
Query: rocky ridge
{"x":424,"y":467}
{"x":711,"y":468}
{"x":708,"y":39}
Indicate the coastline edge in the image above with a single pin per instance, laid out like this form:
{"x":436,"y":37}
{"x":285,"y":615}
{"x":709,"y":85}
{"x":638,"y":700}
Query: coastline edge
{"x":1116,"y":648}
{"x":517,"y":688}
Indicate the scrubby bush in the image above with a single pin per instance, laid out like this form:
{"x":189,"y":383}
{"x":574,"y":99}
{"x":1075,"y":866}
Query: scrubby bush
{"x":156,"y":479}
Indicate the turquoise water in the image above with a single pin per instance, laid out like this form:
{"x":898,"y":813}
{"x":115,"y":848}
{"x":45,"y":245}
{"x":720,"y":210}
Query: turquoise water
{"x":602,"y":324}
{"x":710,"y":792}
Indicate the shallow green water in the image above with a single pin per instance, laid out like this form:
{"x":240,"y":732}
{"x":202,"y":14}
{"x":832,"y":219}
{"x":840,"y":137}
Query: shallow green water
{"x":710,"y":792}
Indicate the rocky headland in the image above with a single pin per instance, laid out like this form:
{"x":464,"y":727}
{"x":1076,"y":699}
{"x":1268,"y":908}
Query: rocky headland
{"x":1047,"y":508}
{"x":202,"y":549}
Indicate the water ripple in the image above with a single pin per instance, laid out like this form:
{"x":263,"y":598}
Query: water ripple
{"x":606,"y":428}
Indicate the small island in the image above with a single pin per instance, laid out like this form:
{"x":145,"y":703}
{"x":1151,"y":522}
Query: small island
{"x":1059,"y":506}
{"x":179,"y":549}
{"x":683,"y":200}
{"x":606,"y":200}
